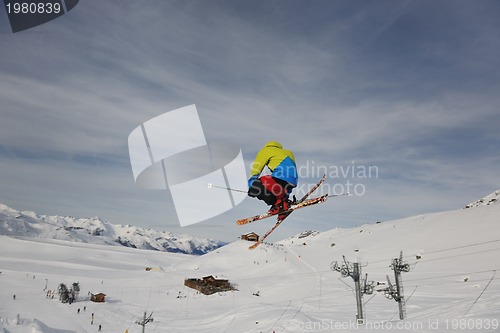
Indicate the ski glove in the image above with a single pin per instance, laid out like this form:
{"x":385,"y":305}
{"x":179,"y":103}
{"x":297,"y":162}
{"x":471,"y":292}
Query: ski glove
{"x":251,"y":180}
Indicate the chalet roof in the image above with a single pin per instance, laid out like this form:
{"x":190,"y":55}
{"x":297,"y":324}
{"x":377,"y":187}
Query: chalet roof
{"x":211,"y":277}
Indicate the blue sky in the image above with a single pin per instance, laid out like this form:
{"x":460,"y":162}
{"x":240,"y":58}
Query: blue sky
{"x":411,"y":87}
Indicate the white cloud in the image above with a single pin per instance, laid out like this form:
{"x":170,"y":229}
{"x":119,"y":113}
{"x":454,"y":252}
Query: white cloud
{"x":332,"y":88}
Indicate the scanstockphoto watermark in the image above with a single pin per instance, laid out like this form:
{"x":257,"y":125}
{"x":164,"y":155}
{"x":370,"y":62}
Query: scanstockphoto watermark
{"x":448,"y":324}
{"x":349,"y":178}
{"x":330,"y":325}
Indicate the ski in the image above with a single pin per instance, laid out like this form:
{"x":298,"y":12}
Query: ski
{"x":266,"y":215}
{"x":293,"y":207}
{"x":314,"y":188}
{"x":288,"y":212}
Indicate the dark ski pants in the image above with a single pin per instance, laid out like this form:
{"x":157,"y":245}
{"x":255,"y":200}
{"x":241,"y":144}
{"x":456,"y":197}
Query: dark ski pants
{"x":270,"y":189}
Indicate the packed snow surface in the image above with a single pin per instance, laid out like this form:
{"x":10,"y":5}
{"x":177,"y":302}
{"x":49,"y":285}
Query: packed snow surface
{"x":289,"y":286}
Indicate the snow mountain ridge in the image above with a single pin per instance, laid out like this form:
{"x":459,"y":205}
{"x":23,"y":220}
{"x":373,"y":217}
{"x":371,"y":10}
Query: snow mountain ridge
{"x":486,"y":201}
{"x":96,"y":231}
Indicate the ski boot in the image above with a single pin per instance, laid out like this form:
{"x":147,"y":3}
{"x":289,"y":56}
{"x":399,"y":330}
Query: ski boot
{"x":281,"y":205}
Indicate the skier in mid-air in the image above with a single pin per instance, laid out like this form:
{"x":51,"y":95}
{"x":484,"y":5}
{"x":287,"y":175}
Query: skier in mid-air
{"x":273,"y":189}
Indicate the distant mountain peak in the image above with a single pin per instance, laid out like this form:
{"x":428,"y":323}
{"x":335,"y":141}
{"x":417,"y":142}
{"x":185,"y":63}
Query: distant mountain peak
{"x":96,"y":231}
{"x":486,"y":201}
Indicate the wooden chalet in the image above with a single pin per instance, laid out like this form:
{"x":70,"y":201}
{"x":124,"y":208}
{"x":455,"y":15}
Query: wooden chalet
{"x":209,"y":285}
{"x":251,"y":236}
{"x":98,"y":298}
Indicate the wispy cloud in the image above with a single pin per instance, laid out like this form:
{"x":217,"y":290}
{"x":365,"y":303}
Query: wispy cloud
{"x":410,"y":87}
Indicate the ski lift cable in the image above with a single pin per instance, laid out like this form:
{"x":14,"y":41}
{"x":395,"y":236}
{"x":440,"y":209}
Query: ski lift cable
{"x":482,"y":292}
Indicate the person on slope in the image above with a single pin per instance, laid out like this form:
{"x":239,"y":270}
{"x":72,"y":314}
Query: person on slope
{"x":273,"y":189}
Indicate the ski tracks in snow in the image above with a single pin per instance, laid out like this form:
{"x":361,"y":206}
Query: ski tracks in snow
{"x":305,"y":263}
{"x":302,"y":261}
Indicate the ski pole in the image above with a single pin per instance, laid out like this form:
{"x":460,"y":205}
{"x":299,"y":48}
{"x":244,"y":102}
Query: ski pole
{"x":339,"y":195}
{"x":210,"y":185}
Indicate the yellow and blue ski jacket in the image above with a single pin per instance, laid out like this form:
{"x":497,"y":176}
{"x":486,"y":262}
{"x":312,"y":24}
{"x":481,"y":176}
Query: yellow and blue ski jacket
{"x":280,"y":161}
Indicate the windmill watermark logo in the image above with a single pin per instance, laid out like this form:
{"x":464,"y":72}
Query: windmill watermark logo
{"x":170,"y":152}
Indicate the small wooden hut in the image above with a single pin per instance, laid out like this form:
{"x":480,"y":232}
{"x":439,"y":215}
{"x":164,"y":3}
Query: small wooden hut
{"x":251,"y":236}
{"x":98,"y":298}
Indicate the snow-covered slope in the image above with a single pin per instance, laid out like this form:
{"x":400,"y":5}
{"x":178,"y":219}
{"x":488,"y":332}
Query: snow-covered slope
{"x":285,"y":287}
{"x":93,"y":230}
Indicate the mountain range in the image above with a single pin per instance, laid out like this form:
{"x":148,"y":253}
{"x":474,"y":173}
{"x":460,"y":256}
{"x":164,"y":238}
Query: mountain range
{"x":96,"y":231}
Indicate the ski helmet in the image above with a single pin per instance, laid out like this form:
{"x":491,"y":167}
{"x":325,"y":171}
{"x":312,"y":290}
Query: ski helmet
{"x":274,"y":144}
